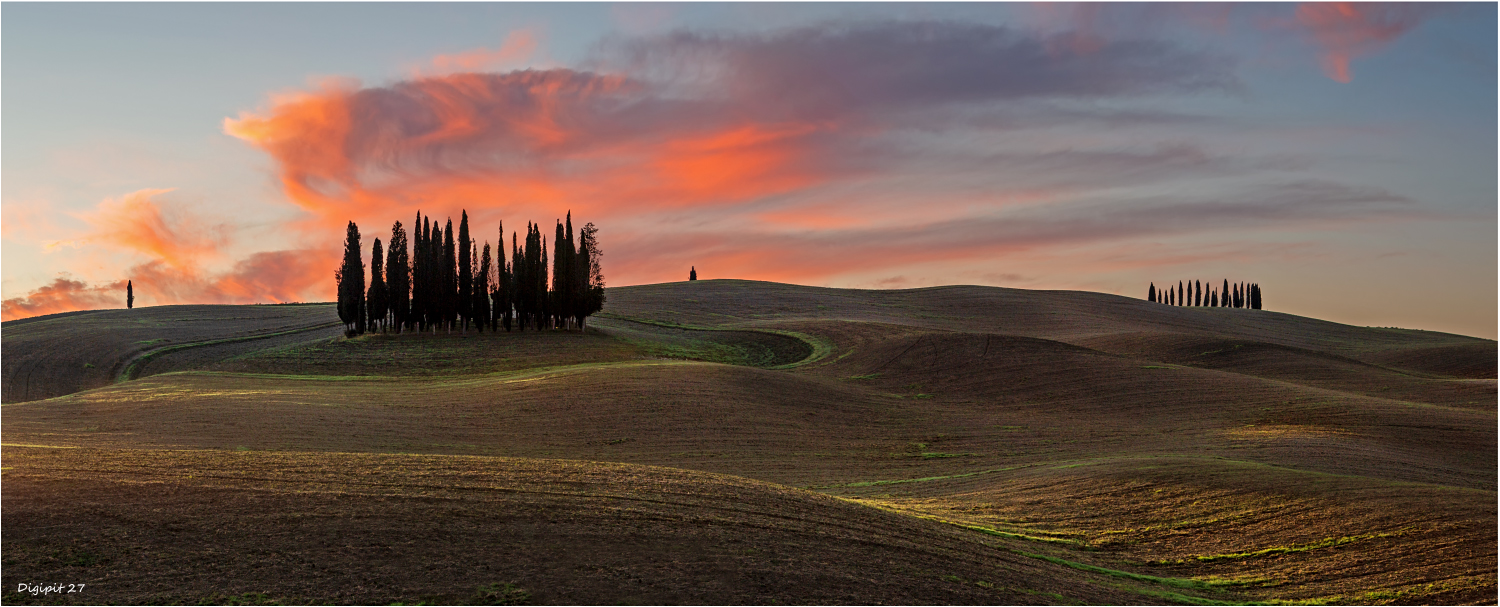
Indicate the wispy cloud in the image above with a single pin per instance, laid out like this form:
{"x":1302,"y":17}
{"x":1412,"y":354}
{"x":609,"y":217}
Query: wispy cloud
{"x":1348,"y":30}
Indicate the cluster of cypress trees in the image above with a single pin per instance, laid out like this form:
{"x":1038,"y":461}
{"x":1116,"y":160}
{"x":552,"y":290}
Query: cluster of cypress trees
{"x":1238,"y":295}
{"x":446,"y":281}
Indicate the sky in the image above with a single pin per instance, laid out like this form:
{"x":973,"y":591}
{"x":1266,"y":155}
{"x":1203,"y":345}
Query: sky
{"x":1342,"y":156}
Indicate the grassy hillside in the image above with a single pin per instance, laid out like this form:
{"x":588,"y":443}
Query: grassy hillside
{"x":951,"y":445}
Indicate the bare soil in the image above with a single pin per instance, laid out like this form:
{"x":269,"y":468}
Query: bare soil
{"x":954,"y":445}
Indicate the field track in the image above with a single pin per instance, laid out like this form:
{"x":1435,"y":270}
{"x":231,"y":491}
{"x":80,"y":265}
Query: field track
{"x":744,"y":442}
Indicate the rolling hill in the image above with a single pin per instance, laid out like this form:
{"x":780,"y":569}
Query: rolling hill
{"x":748,"y":442}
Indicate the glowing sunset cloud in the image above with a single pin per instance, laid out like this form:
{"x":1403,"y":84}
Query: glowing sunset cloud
{"x":517,"y":47}
{"x":677,"y":123}
{"x":137,"y":222}
{"x":1346,"y":30}
{"x":64,"y":295}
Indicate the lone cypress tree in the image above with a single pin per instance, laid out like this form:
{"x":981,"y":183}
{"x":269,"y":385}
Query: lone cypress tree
{"x":351,"y":284}
{"x":465,"y":272}
{"x":693,"y":275}
{"x":129,"y":295}
{"x":398,"y":278}
{"x":375,"y":301}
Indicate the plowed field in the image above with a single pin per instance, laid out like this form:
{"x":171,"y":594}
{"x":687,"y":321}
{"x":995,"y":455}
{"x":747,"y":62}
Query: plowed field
{"x":741,"y":442}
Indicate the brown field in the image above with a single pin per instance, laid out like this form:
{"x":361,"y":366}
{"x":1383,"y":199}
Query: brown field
{"x":744,"y":442}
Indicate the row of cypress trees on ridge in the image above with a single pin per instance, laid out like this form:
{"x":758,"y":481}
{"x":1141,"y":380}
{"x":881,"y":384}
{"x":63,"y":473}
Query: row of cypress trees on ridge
{"x":1238,"y":295}
{"x":443,"y":280}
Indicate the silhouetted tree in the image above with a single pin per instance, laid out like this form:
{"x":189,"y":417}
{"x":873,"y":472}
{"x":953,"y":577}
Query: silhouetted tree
{"x":1255,"y":296}
{"x":465,"y":290}
{"x":450,"y":277}
{"x":500,"y":293}
{"x":419,"y":273}
{"x":693,"y":275}
{"x":1150,"y":293}
{"x":375,"y":301}
{"x":539,"y":281}
{"x":479,"y":296}
{"x":588,"y":239}
{"x":1179,"y":298}
{"x":351,"y":284}
{"x":560,"y":286}
{"x":398,"y":278}
{"x":129,"y":295}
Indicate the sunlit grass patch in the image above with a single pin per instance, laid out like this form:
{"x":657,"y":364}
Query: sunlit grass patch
{"x":1328,"y":542}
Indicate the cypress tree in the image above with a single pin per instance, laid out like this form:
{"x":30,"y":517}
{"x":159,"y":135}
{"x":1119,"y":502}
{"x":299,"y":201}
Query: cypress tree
{"x":479,"y":296}
{"x":1213,"y":299}
{"x":375,"y":301}
{"x":1150,"y":294}
{"x":1198,"y":293}
{"x":420,"y":270}
{"x":129,"y":294}
{"x":520,"y":266}
{"x":1255,"y":296}
{"x":517,"y":274}
{"x":398,"y":278}
{"x":450,"y":277}
{"x":560,"y":285}
{"x":545,"y":294}
{"x":1179,"y":298}
{"x":435,"y":278}
{"x":573,"y":306}
{"x":465,"y":271}
{"x":501,"y":296}
{"x":351,"y":284}
{"x":588,"y":238}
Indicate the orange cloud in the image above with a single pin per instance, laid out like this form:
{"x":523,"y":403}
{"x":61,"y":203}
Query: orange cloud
{"x":517,"y":47}
{"x":64,"y":295}
{"x":266,"y":277}
{"x":1346,"y":30}
{"x":140,"y":223}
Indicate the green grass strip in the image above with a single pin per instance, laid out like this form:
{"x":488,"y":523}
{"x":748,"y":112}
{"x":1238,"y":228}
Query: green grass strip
{"x":1139,"y":577}
{"x":135,"y":365}
{"x":1276,"y":550}
{"x":821,"y":348}
{"x":918,"y":480}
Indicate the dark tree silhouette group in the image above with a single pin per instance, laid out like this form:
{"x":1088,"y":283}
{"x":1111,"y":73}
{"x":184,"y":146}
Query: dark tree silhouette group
{"x":1238,"y":295}
{"x":443,"y":280}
